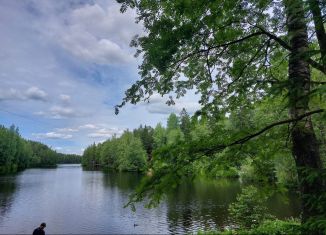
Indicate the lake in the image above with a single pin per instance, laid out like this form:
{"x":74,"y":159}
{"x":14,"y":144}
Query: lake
{"x":71,"y":200}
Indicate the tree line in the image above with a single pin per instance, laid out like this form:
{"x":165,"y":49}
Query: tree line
{"x":17,"y":153}
{"x":147,"y":148}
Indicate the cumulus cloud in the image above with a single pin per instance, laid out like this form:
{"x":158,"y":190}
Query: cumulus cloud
{"x":88,"y":126}
{"x":60,"y":112}
{"x":66,"y":129}
{"x":96,"y":34}
{"x":84,"y":45}
{"x":32,"y":93}
{"x":105,"y":133}
{"x":52,"y":135}
{"x":157,"y":105}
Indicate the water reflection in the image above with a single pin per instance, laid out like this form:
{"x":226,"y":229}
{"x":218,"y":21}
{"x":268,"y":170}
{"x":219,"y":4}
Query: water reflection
{"x":74,"y":201}
{"x":201,"y":205}
{"x":7,"y":190}
{"x":124,"y":181}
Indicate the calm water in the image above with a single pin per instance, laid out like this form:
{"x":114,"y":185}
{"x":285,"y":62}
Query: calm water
{"x":71,"y":200}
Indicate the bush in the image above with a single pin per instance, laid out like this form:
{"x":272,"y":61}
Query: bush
{"x":268,"y":227}
{"x":249,"y":210}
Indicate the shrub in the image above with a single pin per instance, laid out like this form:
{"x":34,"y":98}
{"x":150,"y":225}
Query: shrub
{"x":249,"y":210}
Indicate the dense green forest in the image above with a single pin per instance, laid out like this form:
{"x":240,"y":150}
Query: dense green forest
{"x":259,"y":161}
{"x":17,"y":153}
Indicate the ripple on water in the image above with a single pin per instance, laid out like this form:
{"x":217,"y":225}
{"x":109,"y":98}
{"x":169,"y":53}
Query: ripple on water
{"x":71,"y":200}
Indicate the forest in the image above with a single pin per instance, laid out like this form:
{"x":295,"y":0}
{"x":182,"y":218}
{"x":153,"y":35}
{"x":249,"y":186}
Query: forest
{"x":17,"y":154}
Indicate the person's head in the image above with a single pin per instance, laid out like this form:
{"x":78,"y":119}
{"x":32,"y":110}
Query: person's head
{"x":43,"y":225}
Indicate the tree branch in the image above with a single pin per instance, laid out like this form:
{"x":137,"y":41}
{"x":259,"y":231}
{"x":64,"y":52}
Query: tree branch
{"x":218,"y":46}
{"x":275,"y":38}
{"x":316,"y":65}
{"x":243,"y":140}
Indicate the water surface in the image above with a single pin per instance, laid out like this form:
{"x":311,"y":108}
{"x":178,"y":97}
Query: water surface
{"x":74,"y":201}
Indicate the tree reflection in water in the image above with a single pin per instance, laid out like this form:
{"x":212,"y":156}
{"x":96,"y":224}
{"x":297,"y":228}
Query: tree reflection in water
{"x":201,"y":204}
{"x":8,"y":187}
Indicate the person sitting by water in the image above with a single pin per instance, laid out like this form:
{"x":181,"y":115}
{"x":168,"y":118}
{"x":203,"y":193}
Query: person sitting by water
{"x":40,"y":230}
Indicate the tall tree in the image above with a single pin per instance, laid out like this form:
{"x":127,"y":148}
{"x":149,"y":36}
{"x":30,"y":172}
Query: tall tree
{"x":173,"y":122}
{"x":159,"y":136}
{"x":234,"y":53}
{"x":146,"y":136}
{"x":185,"y":123}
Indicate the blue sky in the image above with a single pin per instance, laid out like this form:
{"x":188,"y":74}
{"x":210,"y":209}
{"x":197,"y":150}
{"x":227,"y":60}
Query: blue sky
{"x":64,"y":65}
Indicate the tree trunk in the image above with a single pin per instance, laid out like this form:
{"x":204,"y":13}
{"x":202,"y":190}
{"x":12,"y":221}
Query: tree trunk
{"x":315,"y":9}
{"x":305,"y":147}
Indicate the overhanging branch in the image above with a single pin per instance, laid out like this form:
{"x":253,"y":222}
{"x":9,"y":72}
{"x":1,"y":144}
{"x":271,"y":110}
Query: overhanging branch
{"x":243,"y":140}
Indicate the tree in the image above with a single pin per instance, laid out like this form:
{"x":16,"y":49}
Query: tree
{"x":159,"y":136}
{"x":235,"y":53}
{"x":131,"y":153}
{"x":172,"y":123}
{"x":185,"y":123}
{"x":91,"y":157}
{"x":146,"y":136}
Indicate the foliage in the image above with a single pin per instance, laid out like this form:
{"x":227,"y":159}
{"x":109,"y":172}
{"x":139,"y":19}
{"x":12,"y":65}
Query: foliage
{"x":126,"y":153}
{"x":236,"y":55}
{"x":91,"y":156}
{"x":185,"y":124}
{"x":17,"y":153}
{"x":259,"y":169}
{"x":146,"y":136}
{"x":159,"y":136}
{"x":249,"y":210}
{"x":268,"y":227}
{"x":68,"y":158}
{"x":315,"y":224}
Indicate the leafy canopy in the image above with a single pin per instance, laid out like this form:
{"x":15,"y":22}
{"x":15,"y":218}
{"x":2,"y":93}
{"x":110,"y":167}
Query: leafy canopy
{"x":231,"y":52}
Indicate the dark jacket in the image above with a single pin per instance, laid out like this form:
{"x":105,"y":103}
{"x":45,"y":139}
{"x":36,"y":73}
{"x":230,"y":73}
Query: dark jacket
{"x":38,"y":231}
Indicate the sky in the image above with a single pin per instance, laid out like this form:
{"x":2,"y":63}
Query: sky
{"x":64,"y":65}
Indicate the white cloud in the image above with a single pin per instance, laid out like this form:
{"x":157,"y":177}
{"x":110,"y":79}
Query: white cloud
{"x":106,"y":21}
{"x":88,"y":126}
{"x":34,"y":93}
{"x":157,"y":104}
{"x":86,"y":46}
{"x":96,"y":34}
{"x":59,"y":112}
{"x":105,"y":133}
{"x":66,"y":129}
{"x":52,"y":135}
